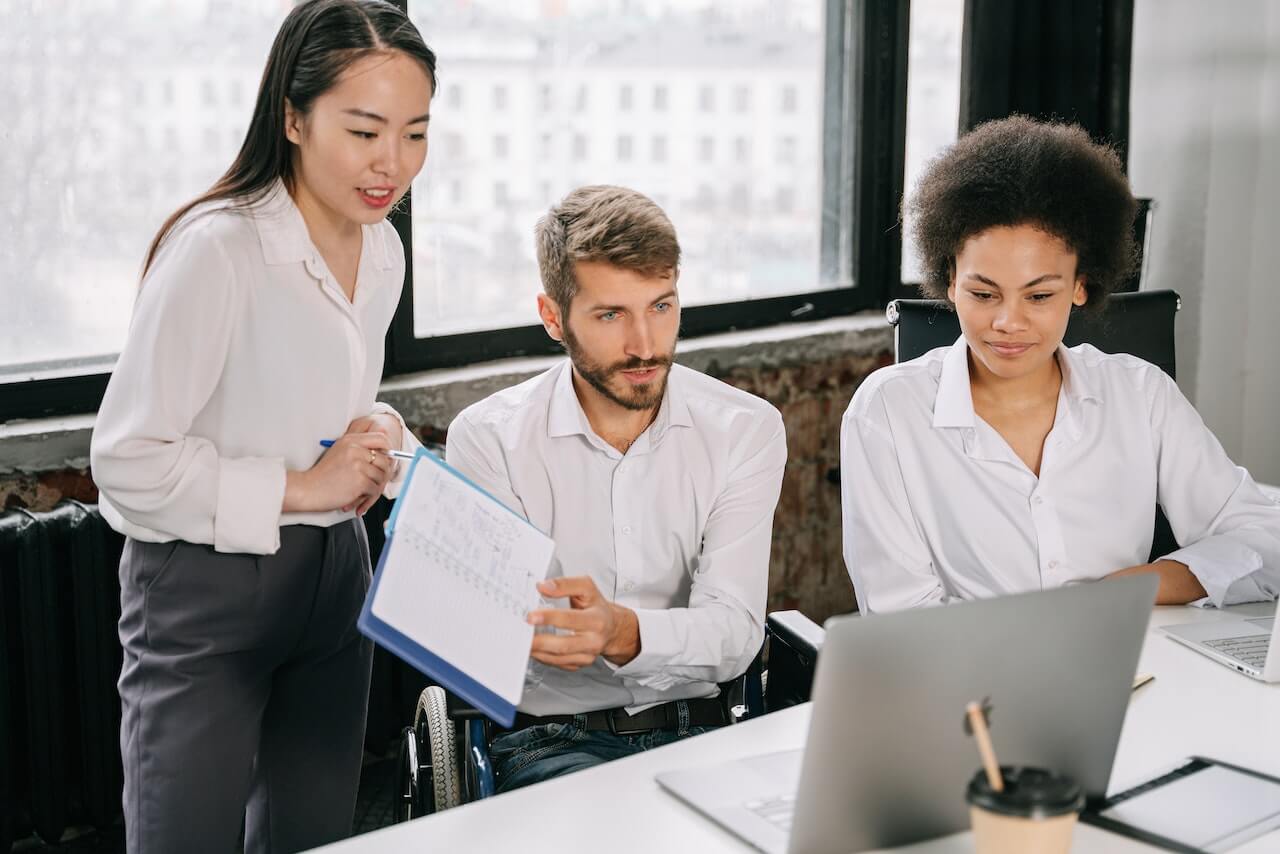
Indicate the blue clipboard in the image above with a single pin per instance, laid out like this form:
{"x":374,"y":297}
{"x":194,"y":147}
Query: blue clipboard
{"x":442,"y":672}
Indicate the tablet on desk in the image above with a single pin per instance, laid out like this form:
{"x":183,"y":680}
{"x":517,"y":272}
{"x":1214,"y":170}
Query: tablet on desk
{"x":1202,"y":805}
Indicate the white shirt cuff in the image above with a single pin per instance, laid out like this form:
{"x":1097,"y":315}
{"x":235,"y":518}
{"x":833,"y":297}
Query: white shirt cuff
{"x":657,"y":648}
{"x":408,"y":442}
{"x":250,"y":500}
{"x":1218,"y":563}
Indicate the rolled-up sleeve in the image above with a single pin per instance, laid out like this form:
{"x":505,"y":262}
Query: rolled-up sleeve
{"x":1230,"y":528}
{"x":147,"y":464}
{"x":716,"y":637}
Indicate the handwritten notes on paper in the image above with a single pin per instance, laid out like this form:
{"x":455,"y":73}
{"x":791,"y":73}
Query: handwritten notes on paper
{"x":459,"y":577}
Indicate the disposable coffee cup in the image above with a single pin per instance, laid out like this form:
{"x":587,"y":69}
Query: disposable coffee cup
{"x":1035,"y":814}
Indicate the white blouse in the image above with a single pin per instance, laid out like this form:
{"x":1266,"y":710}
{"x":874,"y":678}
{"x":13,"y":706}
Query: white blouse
{"x":677,"y":529}
{"x":242,"y":354}
{"x":938,"y":507}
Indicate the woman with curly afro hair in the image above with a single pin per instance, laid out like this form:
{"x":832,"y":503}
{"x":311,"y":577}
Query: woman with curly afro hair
{"x":1008,"y":462}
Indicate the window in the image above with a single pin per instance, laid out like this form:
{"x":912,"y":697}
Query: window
{"x":784,"y":201}
{"x":706,"y":99}
{"x":749,"y":261}
{"x":75,"y":235}
{"x":454,"y":146}
{"x":933,"y":97}
{"x":787,"y":150}
{"x":733,"y":251}
{"x":788,"y":99}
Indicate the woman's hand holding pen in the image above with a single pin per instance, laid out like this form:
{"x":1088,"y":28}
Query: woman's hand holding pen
{"x":350,"y":475}
{"x":389,"y":426}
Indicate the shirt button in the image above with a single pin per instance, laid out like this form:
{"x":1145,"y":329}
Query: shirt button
{"x":1053,"y":564}
{"x":1038,"y":500}
{"x":626,"y":529}
{"x":628,"y":587}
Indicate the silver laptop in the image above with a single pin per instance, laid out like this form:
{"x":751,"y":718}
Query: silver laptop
{"x":1247,"y":644}
{"x":887,"y":758}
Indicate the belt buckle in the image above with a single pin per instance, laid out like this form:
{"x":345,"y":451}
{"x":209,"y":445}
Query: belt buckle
{"x":613,"y":723}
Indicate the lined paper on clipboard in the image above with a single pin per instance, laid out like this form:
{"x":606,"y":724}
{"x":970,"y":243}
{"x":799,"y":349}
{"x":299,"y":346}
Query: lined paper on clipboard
{"x":456,"y":578}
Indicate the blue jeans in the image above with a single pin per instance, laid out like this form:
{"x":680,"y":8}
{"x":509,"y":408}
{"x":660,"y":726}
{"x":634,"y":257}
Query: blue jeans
{"x":539,"y":753}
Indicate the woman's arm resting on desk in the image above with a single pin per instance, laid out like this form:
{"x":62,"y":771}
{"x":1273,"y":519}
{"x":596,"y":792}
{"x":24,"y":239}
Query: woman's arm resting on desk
{"x":1178,"y":584}
{"x":1229,"y":530}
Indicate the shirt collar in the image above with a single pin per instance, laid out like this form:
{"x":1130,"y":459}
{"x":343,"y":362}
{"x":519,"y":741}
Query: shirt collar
{"x":953,"y":405}
{"x":285,"y":239}
{"x":1076,"y":379}
{"x":566,"y":417}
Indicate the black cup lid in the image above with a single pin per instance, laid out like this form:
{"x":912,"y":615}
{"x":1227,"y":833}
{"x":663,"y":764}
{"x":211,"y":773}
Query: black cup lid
{"x":1028,"y":792}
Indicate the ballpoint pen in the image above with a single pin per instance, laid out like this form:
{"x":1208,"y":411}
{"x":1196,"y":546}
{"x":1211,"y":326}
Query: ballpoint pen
{"x":400,"y":455}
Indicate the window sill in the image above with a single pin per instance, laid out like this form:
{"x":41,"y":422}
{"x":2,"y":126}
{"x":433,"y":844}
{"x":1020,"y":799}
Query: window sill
{"x":431,"y":399}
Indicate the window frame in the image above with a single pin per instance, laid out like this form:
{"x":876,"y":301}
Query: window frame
{"x":864,"y":161}
{"x":864,"y":141}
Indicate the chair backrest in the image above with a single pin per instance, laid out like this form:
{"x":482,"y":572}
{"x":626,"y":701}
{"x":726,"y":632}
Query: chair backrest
{"x":1139,"y":323}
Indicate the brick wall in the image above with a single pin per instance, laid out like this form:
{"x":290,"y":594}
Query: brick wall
{"x":807,"y":571}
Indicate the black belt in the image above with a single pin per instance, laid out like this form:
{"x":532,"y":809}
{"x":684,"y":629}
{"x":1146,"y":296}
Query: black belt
{"x":707,"y":711}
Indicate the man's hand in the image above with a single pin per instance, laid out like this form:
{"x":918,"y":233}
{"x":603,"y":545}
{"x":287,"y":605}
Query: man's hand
{"x":1178,"y":585}
{"x":389,"y":427}
{"x":595,"y":626}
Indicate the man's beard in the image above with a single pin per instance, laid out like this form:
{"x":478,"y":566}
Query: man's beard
{"x":641,"y":397}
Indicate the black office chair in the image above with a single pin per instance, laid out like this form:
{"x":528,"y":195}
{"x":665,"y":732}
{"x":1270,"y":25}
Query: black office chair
{"x":444,"y":756}
{"x":1140,"y":324}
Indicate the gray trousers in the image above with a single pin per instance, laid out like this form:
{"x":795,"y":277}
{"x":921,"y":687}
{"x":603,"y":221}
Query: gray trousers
{"x":244,"y":690}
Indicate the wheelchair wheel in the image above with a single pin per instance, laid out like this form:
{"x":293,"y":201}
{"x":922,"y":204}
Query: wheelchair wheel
{"x":430,"y":756}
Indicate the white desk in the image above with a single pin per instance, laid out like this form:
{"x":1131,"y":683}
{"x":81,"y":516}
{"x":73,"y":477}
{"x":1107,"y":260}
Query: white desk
{"x":1194,"y":706}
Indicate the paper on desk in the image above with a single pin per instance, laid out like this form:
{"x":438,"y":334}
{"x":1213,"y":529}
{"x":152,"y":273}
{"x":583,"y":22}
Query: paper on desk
{"x":457,"y":578}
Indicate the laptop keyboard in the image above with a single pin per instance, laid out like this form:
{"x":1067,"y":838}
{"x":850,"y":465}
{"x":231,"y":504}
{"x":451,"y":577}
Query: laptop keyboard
{"x":777,"y":811}
{"x":1250,"y":649}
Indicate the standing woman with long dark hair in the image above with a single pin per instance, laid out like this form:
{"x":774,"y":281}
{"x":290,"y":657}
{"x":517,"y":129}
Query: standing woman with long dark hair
{"x":258,"y":331}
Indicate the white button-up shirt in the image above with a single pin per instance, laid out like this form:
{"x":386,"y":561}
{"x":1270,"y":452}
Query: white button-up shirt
{"x":678,"y":529}
{"x":938,"y":507}
{"x":242,"y":354}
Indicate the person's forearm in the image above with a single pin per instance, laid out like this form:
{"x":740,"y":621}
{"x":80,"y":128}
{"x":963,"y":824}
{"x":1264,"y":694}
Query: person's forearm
{"x":625,"y":643}
{"x":1178,"y":584}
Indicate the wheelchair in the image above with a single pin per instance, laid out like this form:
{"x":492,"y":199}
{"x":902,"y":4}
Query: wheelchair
{"x":444,"y":756}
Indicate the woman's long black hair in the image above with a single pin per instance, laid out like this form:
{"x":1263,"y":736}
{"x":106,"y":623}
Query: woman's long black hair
{"x":317,"y":42}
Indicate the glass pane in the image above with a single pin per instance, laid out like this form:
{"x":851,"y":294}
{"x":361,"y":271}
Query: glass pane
{"x":121,"y":110}
{"x":713,"y":108}
{"x":933,"y":96}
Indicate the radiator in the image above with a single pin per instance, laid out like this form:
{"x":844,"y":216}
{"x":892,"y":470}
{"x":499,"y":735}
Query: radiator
{"x":59,"y":708}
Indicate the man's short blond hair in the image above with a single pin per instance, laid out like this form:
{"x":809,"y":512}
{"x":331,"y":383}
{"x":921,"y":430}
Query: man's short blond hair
{"x":604,"y":223}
